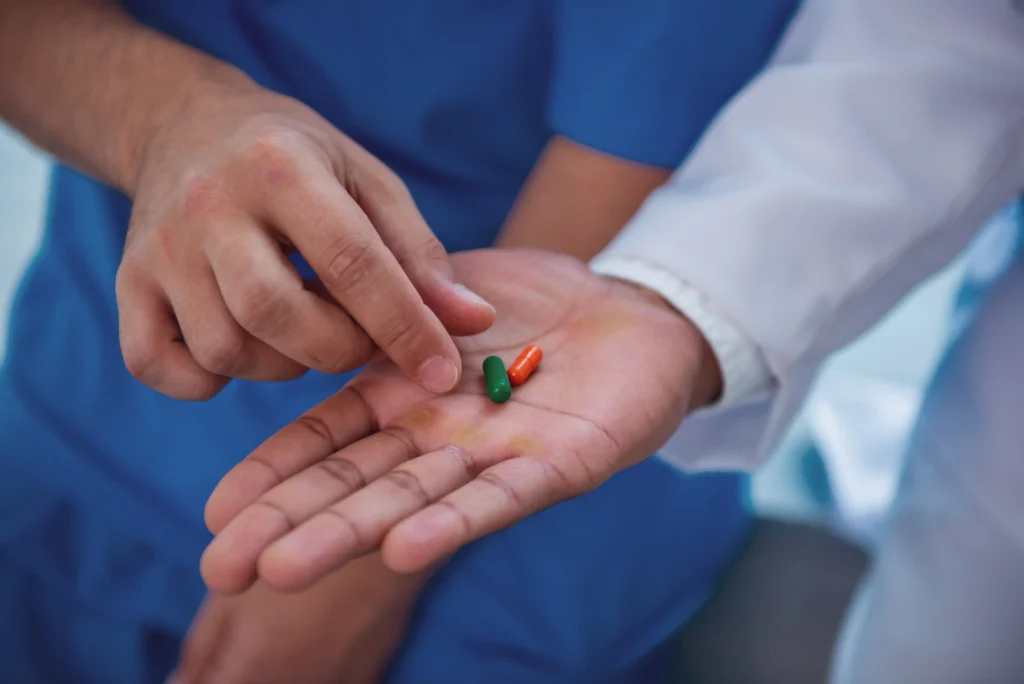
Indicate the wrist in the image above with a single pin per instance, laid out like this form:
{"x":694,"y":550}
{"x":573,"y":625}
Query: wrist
{"x":92,"y":86}
{"x":200,"y":83}
{"x":382,"y":586}
{"x":708,"y":383}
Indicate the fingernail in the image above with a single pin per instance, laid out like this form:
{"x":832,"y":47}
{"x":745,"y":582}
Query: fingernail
{"x":439,"y":375}
{"x":471,"y":296}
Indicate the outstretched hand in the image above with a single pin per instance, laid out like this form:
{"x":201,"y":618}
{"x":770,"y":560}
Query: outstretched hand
{"x":385,"y":464}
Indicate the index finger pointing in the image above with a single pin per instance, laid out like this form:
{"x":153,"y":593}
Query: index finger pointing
{"x":339,"y":242}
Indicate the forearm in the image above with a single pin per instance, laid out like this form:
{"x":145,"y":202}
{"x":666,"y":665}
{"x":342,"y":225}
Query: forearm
{"x":577,"y":200}
{"x":90,"y":85}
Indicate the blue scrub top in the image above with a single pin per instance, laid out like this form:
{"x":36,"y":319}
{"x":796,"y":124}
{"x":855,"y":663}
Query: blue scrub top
{"x":457,"y":96}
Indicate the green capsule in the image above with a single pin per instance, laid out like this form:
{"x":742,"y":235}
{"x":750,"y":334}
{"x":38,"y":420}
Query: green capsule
{"x":499,"y":389}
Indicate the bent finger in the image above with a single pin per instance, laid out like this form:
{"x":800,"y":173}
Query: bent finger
{"x":152,"y":345}
{"x":266,"y":296}
{"x":391,"y":209}
{"x":339,"y":242}
{"x":216,"y":341}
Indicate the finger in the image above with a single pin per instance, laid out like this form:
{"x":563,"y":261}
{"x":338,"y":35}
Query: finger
{"x":229,"y":563}
{"x":341,"y":245}
{"x":356,"y":525}
{"x":326,"y":428}
{"x":266,"y":296}
{"x":499,"y":497}
{"x":204,"y":640}
{"x":151,"y":342}
{"x":216,"y":341}
{"x":391,"y":209}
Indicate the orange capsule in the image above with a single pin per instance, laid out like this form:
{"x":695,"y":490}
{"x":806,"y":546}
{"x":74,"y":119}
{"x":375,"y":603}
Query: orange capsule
{"x":524,"y":365}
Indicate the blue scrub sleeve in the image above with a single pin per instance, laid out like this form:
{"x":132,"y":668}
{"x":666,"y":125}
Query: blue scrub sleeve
{"x":641,"y":80}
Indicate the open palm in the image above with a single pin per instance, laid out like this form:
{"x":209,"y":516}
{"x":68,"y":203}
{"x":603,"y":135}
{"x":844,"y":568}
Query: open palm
{"x":384,"y":464}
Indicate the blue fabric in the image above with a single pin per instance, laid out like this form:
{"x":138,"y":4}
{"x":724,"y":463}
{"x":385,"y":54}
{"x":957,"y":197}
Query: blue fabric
{"x":458,"y":97}
{"x":588,"y":592}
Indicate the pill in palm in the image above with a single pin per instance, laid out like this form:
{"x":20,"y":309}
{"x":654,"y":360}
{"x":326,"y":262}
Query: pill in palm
{"x":525,"y":364}
{"x":496,"y":380}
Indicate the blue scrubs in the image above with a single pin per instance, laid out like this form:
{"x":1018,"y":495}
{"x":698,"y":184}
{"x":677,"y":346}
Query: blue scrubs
{"x":104,"y":481}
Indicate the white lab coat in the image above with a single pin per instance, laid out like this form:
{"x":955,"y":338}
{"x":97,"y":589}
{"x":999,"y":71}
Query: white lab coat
{"x":821,"y":196}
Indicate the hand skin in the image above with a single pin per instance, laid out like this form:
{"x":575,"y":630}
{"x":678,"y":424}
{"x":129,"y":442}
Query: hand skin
{"x":382,"y":464}
{"x":226,"y":179}
{"x":574,"y":202}
{"x":170,"y":126}
{"x":342,"y":631}
{"x":223,"y":194}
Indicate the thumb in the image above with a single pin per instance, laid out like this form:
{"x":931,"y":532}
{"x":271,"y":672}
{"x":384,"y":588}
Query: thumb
{"x":389,"y":205}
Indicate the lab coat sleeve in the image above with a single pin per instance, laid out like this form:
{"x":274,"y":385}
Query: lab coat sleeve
{"x":830,"y":187}
{"x":745,"y":373}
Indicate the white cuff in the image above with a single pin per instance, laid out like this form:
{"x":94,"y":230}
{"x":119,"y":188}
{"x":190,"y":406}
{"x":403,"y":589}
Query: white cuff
{"x":745,"y":372}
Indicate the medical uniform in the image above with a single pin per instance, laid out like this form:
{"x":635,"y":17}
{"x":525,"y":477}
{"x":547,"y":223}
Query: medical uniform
{"x":104,"y":480}
{"x":822,"y":195}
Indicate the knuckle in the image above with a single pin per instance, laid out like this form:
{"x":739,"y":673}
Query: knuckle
{"x":266,"y":505}
{"x":501,"y":484}
{"x":405,"y":440}
{"x":140,"y":358}
{"x":262,"y":309}
{"x":361,"y":538}
{"x":313,"y":424}
{"x":333,"y":362}
{"x":430,"y":251}
{"x":348,"y":349}
{"x":344,"y":472}
{"x":140,"y":355}
{"x":162,"y":243}
{"x":349,"y":262}
{"x":153,"y":242}
{"x":558,"y":479}
{"x":273,"y":149}
{"x":384,"y":185}
{"x":202,"y":194}
{"x":464,"y":519}
{"x":220,"y":352}
{"x":410,"y":483}
{"x":465,"y":460}
{"x":400,"y":333}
